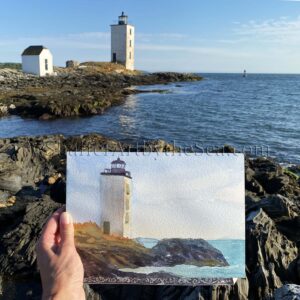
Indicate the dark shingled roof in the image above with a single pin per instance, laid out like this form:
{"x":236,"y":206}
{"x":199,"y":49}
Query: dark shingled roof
{"x":33,"y":50}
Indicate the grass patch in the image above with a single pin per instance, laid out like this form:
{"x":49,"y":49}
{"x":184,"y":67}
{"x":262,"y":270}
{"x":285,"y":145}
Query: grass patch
{"x":9,"y":65}
{"x":291,"y":174}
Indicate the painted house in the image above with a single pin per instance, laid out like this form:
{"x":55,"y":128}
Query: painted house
{"x":115,"y":197}
{"x":37,"y":60}
{"x":122,"y":43}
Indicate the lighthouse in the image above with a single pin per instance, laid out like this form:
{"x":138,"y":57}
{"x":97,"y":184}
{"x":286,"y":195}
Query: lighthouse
{"x":122,"y":42}
{"x":115,"y":197}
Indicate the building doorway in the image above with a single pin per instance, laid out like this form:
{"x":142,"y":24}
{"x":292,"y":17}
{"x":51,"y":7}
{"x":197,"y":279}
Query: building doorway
{"x":114,"y":57}
{"x":106,"y":227}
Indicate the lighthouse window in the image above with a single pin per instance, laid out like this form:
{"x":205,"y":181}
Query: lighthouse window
{"x":130,"y":55}
{"x":130,"y":45}
{"x":127,"y":189}
{"x":127,"y":218}
{"x":130,"y":31}
{"x":46,"y":64}
{"x":127,"y":203}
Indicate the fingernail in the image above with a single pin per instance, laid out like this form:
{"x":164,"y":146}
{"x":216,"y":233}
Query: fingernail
{"x":66,"y":218}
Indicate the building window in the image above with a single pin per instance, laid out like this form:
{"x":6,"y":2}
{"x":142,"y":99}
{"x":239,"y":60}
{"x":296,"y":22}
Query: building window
{"x":129,"y":55}
{"x":130,"y":31}
{"x":130,"y":44}
{"x":46,"y":64}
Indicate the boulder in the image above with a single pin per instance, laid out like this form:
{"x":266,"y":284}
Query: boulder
{"x":72,"y":63}
{"x":278,"y":207}
{"x":288,"y":292}
{"x":290,"y":228}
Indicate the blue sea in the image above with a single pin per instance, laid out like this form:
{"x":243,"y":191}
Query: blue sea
{"x":233,"y":251}
{"x":257,"y":114}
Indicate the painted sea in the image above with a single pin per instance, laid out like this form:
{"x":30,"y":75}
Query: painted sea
{"x":260,"y":111}
{"x":233,"y":251}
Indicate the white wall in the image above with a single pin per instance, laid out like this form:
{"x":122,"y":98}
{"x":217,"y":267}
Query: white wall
{"x":35,"y":64}
{"x":130,"y":49}
{"x":112,"y":203}
{"x":46,"y":54}
{"x":120,"y":44}
{"x":31,"y":64}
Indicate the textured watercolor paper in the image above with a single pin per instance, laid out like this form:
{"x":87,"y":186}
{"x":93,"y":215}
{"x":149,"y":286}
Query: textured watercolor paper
{"x":158,"y":218}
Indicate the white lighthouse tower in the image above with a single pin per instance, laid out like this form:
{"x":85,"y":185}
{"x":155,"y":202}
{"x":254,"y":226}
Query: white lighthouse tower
{"x":115,"y":197}
{"x":122,"y":42}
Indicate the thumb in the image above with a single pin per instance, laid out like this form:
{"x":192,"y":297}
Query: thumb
{"x":66,"y":230}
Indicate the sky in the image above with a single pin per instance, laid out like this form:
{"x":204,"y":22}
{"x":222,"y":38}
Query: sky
{"x":183,"y":196}
{"x":191,"y":35}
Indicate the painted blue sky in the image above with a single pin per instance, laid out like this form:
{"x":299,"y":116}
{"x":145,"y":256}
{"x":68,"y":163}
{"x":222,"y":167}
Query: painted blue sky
{"x":192,"y":35}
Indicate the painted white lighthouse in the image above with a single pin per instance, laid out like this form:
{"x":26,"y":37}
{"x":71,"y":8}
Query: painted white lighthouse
{"x":122,"y":43}
{"x":115,"y":197}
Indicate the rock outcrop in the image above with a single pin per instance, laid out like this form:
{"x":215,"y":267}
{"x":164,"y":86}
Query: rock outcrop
{"x":288,"y":292}
{"x":269,"y":255}
{"x":198,"y":252}
{"x":32,"y":170}
{"x":103,"y":264}
{"x":75,"y":92}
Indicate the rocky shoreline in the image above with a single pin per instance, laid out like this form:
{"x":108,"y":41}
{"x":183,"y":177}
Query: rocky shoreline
{"x":32,"y":186}
{"x":98,"y":252}
{"x":73,"y":92}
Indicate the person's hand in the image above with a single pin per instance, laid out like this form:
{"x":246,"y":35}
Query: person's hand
{"x":59,"y":263}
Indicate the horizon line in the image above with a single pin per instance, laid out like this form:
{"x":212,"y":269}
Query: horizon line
{"x":196,"y":72}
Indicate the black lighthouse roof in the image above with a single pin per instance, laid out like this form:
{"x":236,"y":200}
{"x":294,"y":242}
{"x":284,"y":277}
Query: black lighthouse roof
{"x":117,"y":169}
{"x":123,"y":19}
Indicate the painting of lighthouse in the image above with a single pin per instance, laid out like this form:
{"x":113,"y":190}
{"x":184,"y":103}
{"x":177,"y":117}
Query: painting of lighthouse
{"x":158,"y":218}
{"x":115,"y":190}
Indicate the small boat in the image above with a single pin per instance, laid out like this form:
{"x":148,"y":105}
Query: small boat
{"x":245,"y":74}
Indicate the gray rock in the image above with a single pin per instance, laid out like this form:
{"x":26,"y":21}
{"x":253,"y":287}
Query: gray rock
{"x":269,"y":255}
{"x":277,"y":207}
{"x":288,"y":292}
{"x":19,"y":244}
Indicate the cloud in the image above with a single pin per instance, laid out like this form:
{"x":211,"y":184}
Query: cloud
{"x":284,"y":31}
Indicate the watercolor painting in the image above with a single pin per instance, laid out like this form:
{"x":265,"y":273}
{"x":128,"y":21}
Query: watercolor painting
{"x":149,"y":218}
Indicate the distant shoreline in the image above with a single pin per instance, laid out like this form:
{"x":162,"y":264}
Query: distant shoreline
{"x":87,"y":90}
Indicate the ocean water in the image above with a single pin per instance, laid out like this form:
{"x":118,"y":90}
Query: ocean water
{"x":233,"y":251}
{"x":258,"y":112}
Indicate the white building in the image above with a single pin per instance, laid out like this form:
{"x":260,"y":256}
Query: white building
{"x":37,"y":60}
{"x":115,"y":197}
{"x":122,"y":43}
